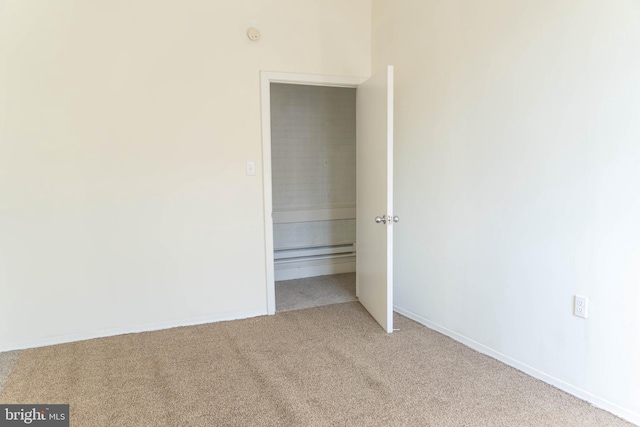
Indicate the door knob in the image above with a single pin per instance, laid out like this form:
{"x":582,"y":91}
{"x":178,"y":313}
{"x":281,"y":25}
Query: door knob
{"x":384,"y":218}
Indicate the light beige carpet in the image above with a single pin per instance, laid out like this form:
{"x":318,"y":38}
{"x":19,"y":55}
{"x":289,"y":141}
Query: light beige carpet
{"x":7,"y":360}
{"x":315,"y":291}
{"x":330,"y":365}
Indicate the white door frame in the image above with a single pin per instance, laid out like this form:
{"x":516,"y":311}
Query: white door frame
{"x":266,"y":78}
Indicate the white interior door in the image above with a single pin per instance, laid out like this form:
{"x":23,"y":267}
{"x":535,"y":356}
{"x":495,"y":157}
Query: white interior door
{"x":374,"y":148}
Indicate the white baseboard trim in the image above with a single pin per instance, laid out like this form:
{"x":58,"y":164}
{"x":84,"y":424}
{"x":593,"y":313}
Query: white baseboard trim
{"x":564,"y":386}
{"x":293,"y":271}
{"x":63,"y":339}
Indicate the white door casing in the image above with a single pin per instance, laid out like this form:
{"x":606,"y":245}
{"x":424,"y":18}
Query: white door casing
{"x":266,"y":78}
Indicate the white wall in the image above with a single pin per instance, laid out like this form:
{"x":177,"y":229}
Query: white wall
{"x":124,"y":132}
{"x":518,"y":181}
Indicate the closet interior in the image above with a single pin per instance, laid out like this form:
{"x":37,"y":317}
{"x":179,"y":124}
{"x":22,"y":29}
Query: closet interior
{"x":313,"y":162}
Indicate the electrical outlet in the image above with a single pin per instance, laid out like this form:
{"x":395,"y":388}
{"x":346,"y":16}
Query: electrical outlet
{"x":580,"y":306}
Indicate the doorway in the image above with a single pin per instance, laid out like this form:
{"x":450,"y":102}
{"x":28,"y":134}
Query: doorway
{"x":313,"y":165}
{"x":309,"y":180}
{"x":374,"y":178}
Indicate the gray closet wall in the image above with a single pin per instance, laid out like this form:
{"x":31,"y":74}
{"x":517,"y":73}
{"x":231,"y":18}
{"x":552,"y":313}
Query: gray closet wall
{"x":313,"y":145}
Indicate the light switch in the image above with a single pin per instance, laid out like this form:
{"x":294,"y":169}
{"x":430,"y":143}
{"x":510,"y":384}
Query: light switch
{"x":251,"y":168}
